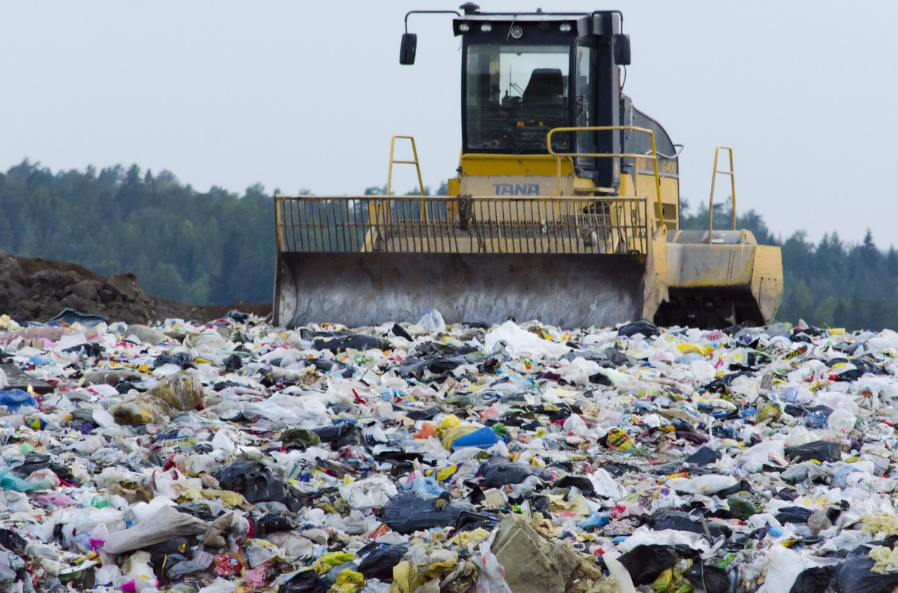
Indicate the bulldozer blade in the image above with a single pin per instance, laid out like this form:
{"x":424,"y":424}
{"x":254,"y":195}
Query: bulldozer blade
{"x":364,"y":289}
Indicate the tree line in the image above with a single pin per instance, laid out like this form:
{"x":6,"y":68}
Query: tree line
{"x":218,"y":247}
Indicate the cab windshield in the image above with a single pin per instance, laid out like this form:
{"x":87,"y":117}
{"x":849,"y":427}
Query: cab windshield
{"x":515,"y":94}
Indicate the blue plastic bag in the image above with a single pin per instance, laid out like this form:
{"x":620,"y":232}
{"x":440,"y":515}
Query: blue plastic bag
{"x":483,"y":438}
{"x":13,"y":399}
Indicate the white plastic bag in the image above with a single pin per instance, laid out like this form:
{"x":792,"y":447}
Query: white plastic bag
{"x":433,"y":322}
{"x":841,"y":421}
{"x":523,"y":341}
{"x":165,"y":524}
{"x":371,"y":492}
{"x":220,"y":585}
{"x":492,"y":574}
{"x":707,"y":484}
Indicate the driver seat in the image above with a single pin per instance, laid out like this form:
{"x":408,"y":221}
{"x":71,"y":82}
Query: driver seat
{"x":545,"y":89}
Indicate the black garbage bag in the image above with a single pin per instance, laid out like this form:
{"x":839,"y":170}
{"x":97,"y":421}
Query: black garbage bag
{"x":704,"y":456}
{"x":793,"y":515}
{"x":233,"y":363}
{"x":253,"y":480}
{"x":720,"y":384}
{"x":32,"y":463}
{"x":468,"y":520}
{"x":618,"y":469}
{"x":353,"y":342}
{"x":799,"y":411}
{"x":182,"y":359}
{"x":126,"y":386}
{"x":411,"y":367}
{"x":399,"y":332}
{"x":582,"y":484}
{"x":617,"y":358}
{"x":498,"y":472}
{"x":645,"y":563}
{"x":600,"y":379}
{"x":644,"y":327}
{"x":862,"y":367}
{"x":36,"y":461}
{"x":445,"y":364}
{"x":306,"y":581}
{"x":856,"y":576}
{"x":418,"y":414}
{"x":710,"y":578}
{"x":379,"y":563}
{"x":681,"y":521}
{"x":12,"y":541}
{"x":177,"y":545}
{"x":819,"y":450}
{"x":410,"y":512}
{"x":274,"y":522}
{"x":813,"y":580}
{"x":325,"y":366}
{"x":340,"y":435}
{"x":238,"y":316}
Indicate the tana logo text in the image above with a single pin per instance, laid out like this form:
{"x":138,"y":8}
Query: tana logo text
{"x":516,"y":189}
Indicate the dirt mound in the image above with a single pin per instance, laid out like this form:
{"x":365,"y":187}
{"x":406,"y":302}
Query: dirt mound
{"x":38,"y":289}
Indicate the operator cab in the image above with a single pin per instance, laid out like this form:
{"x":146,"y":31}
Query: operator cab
{"x":513,"y":95}
{"x":525,"y":74}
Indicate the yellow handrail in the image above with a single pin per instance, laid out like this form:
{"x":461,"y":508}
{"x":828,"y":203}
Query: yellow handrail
{"x":393,"y":161}
{"x":654,"y":155}
{"x":732,"y":174}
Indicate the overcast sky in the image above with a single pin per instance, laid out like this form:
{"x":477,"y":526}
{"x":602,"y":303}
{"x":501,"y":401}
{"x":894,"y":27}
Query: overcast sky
{"x":306,"y":95}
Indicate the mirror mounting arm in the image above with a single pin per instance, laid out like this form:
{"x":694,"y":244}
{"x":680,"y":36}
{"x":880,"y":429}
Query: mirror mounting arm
{"x":410,"y":40}
{"x":455,"y":12}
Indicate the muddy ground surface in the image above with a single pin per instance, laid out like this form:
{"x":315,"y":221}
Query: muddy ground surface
{"x":38,"y":289}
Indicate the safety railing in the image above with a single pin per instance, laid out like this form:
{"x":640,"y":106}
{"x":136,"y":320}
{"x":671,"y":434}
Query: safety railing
{"x":571,"y":155}
{"x":393,"y":161}
{"x":464,"y":224}
{"x":732,"y":174}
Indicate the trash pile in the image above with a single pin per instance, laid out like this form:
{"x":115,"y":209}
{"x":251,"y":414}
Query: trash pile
{"x":37,"y":289}
{"x":420,"y":457}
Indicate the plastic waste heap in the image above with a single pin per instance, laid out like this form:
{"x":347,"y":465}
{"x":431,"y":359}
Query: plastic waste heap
{"x":420,"y":457}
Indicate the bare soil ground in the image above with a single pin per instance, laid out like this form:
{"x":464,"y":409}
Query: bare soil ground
{"x":38,"y":289}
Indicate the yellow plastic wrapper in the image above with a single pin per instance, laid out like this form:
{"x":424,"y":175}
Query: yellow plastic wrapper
{"x":619,"y":440}
{"x":672,"y":580}
{"x":408,"y":577}
{"x":348,"y":581}
{"x":444,"y":473}
{"x":449,"y":421}
{"x":769,"y":411}
{"x":329,"y":560}
{"x":689,"y":348}
{"x":471,"y":538}
{"x":7,"y":324}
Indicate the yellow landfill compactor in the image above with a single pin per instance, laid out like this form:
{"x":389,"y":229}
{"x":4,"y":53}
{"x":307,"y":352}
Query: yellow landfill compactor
{"x":565,"y":207}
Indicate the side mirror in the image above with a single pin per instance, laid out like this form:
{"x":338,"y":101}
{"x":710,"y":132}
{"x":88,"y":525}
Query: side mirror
{"x":622,"y":49}
{"x":408,"y":48}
